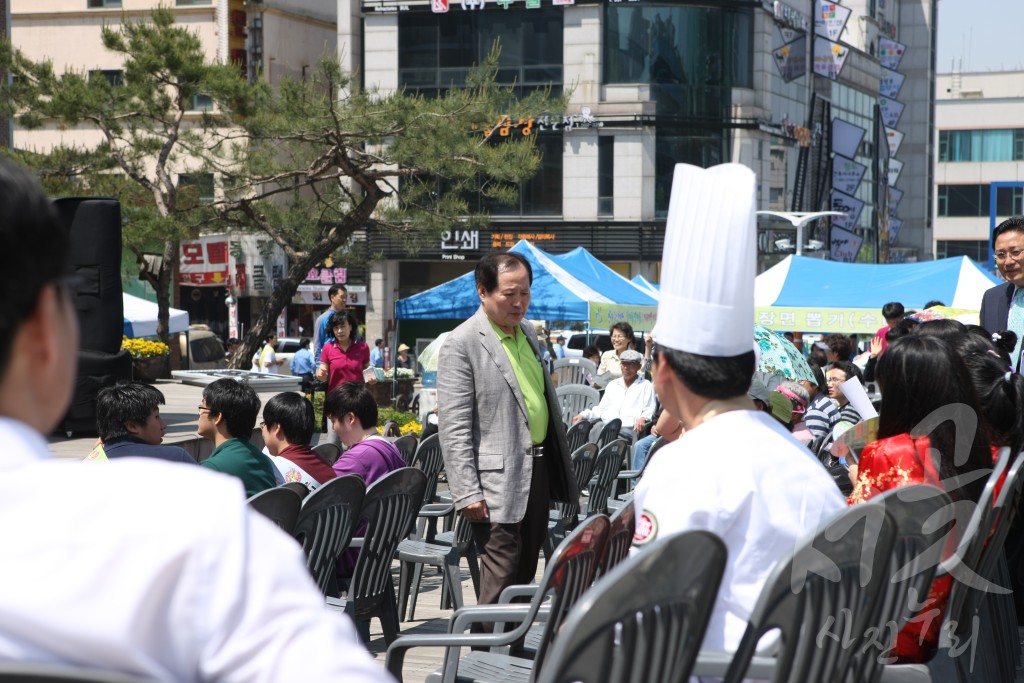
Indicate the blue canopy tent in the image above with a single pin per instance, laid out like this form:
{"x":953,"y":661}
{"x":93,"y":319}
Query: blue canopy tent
{"x":585,"y":266}
{"x":808,"y":294}
{"x":647,"y":284}
{"x":557,"y":292}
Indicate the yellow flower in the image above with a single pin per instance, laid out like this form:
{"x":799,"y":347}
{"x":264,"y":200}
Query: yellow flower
{"x":141,"y":348}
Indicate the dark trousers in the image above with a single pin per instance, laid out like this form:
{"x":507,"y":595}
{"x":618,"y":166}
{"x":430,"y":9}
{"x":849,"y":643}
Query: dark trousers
{"x":509,"y":552}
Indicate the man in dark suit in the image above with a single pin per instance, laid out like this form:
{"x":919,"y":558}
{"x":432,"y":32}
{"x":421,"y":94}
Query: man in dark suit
{"x":1002,"y":307}
{"x":500,"y":428}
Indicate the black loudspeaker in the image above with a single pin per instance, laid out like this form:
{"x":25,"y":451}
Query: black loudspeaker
{"x":94,"y":227}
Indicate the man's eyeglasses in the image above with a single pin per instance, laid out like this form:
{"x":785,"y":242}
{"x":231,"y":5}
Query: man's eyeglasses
{"x":1015,"y":254}
{"x":834,"y":380}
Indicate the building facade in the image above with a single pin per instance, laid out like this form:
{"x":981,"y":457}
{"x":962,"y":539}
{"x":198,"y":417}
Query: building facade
{"x":979,"y":139}
{"x":803,"y":92}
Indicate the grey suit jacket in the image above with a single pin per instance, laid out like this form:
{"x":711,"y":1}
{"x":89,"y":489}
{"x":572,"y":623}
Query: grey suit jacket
{"x":483,"y":425}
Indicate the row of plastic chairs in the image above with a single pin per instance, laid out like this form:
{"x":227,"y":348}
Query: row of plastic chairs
{"x":594,"y":548}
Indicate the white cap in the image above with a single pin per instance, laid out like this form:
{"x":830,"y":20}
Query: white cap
{"x":709,"y":262}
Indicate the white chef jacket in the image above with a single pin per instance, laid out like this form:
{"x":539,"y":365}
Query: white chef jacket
{"x":149,"y":568}
{"x":743,"y":477}
{"x":624,"y":403}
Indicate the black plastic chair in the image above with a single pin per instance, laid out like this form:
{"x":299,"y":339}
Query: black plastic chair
{"x":280,"y":505}
{"x":444,"y":553}
{"x":606,"y":468}
{"x":569,"y":573}
{"x":298,"y":487}
{"x":577,"y":435}
{"x":620,"y":538}
{"x":644,"y":621}
{"x":428,"y":459}
{"x":609,"y":432}
{"x":391,"y":429}
{"x":973,"y":567}
{"x":406,"y":445}
{"x":33,"y":672}
{"x":922,"y":517}
{"x":565,"y":516}
{"x":325,"y":525}
{"x":828,"y":582}
{"x":328,"y":451}
{"x":390,"y":508}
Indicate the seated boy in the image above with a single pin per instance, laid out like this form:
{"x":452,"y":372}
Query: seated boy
{"x":227,"y":417}
{"x":287,"y":430}
{"x":129,"y":423}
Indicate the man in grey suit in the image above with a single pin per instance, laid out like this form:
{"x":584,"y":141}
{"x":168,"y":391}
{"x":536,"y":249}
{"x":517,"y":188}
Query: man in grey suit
{"x":500,"y":428}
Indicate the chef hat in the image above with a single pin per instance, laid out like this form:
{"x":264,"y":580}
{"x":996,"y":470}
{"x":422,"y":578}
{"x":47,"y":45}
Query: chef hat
{"x":709,"y":262}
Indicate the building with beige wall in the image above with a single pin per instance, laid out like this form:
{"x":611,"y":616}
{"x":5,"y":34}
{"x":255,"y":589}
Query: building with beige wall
{"x":979,"y":139}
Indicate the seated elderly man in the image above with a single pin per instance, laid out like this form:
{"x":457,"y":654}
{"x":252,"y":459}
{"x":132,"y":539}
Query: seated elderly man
{"x":629,"y":398}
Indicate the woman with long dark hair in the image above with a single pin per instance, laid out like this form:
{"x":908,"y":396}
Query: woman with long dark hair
{"x":346,"y":356}
{"x":930,"y":431}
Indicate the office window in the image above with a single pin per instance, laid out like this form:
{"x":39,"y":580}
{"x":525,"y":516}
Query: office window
{"x":975,"y":249}
{"x":96,"y":4}
{"x":606,"y":176}
{"x":199,"y":183}
{"x":969,"y":201}
{"x":201,"y":102}
{"x":981,"y":145}
{"x":114,"y":77}
{"x":437,"y":50}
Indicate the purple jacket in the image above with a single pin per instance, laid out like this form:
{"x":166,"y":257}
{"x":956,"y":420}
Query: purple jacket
{"x":370,"y":459}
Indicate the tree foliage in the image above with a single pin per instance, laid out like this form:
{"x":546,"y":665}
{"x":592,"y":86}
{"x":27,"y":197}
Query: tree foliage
{"x":315,"y":163}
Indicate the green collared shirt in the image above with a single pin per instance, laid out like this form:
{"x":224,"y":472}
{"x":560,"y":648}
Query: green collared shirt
{"x":530,"y":375}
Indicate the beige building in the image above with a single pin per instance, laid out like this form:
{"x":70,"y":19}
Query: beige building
{"x":979,"y":140}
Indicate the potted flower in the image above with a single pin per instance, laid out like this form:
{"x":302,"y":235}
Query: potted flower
{"x":151,"y":360}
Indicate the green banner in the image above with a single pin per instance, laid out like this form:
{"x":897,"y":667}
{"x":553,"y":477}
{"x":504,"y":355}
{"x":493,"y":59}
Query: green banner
{"x":847,"y":320}
{"x":641,"y":318}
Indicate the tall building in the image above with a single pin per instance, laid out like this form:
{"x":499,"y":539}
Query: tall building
{"x":830,"y":103}
{"x":979,"y":121}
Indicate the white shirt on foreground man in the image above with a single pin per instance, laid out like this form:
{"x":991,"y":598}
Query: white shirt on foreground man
{"x":139,"y":566}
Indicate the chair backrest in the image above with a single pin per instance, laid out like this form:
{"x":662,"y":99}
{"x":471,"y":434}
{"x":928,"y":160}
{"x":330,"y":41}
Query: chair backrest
{"x":35,"y":672}
{"x":328,"y":451}
{"x":407,"y":445}
{"x":583,"y":460}
{"x":921,"y":515}
{"x":606,"y":469}
{"x":567,"y":574}
{"x":391,"y":428}
{"x":644,"y":621}
{"x":325,"y":525}
{"x":298,"y":487}
{"x":280,"y":505}
{"x":821,"y":597}
{"x":609,"y":432}
{"x":574,"y":399}
{"x":390,"y":508}
{"x":975,"y":540}
{"x":428,"y":459}
{"x":573,"y":370}
{"x":620,"y":538}
{"x":577,"y":435}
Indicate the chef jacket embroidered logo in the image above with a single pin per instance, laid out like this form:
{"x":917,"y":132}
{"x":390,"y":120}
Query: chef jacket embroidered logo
{"x":646,"y":528}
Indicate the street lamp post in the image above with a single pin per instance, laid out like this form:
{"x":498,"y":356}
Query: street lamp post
{"x":799,"y":219}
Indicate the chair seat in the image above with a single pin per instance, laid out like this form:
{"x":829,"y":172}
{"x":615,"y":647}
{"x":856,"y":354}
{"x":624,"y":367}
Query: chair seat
{"x":445,"y":557}
{"x":485,"y":667}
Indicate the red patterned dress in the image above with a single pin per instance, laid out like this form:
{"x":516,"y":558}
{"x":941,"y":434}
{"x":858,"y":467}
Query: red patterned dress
{"x":888,"y":464}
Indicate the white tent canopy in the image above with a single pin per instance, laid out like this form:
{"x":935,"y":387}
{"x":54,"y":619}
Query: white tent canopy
{"x":140,"y":317}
